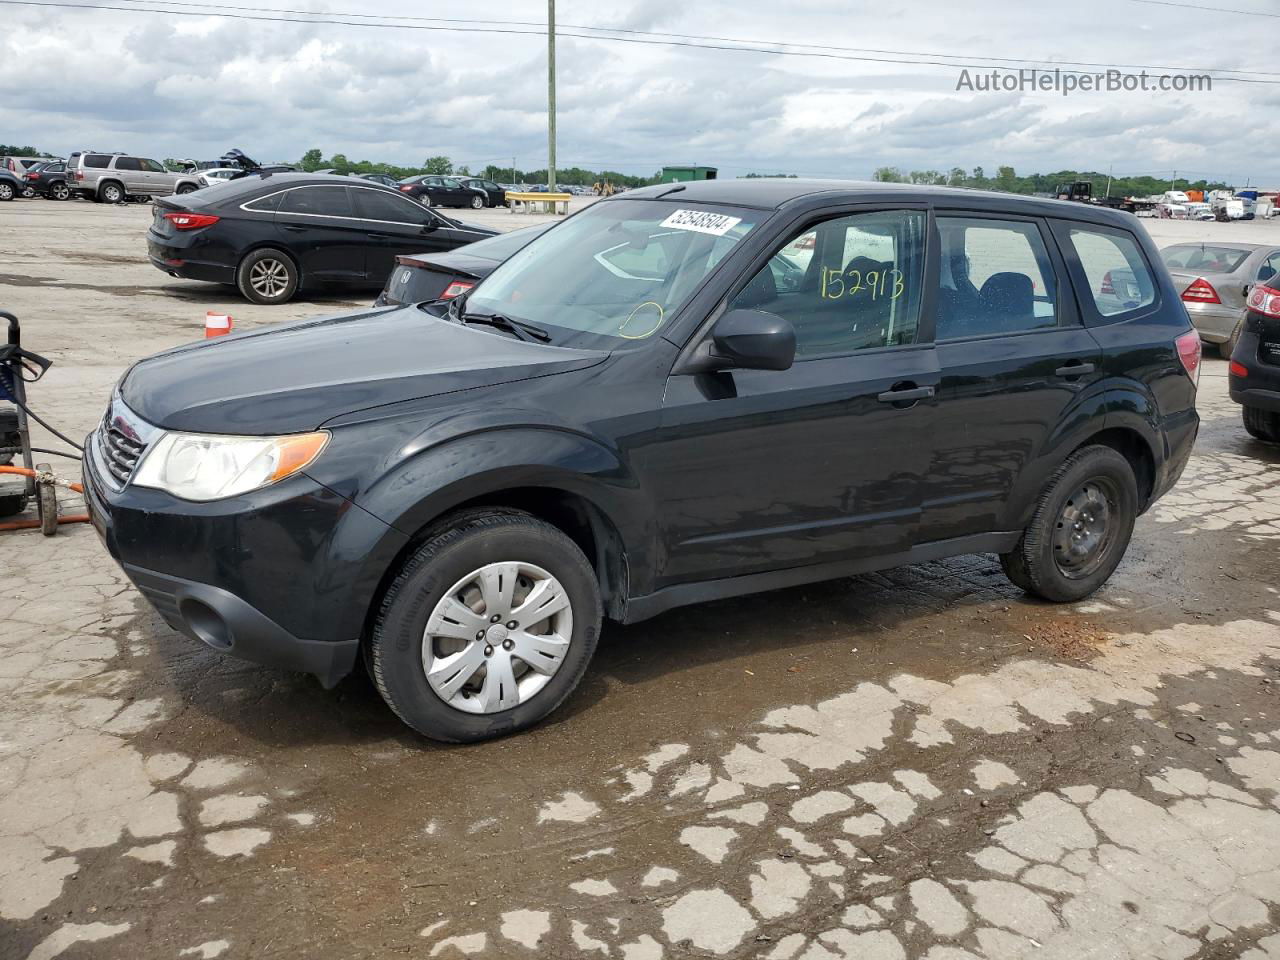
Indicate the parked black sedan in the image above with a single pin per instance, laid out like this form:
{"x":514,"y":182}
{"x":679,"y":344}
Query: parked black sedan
{"x":271,"y":235}
{"x":49,"y":179}
{"x":420,"y":277}
{"x":434,"y":191}
{"x":495,"y":194}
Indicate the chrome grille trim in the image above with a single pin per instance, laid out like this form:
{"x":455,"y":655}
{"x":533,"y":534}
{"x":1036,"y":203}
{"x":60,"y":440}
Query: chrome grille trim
{"x":121,"y":441}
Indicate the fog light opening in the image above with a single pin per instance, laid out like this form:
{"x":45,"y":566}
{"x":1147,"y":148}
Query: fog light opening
{"x":206,"y":623}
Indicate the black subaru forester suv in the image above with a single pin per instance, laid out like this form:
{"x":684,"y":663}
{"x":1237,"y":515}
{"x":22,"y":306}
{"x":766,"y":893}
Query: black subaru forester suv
{"x":688,"y":393}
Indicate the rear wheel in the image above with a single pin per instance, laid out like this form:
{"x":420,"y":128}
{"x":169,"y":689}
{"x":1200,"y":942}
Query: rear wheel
{"x":60,"y":191}
{"x":426,"y":199}
{"x":1080,"y":529}
{"x":487,"y":628}
{"x":267,"y":276}
{"x":477,"y":202}
{"x":28,"y":191}
{"x":1262,"y":424}
{"x":111,"y":192}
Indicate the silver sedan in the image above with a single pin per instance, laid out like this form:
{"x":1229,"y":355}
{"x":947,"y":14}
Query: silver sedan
{"x":1214,"y":280}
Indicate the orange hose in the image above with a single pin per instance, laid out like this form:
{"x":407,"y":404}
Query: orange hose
{"x":24,"y":472}
{"x":34,"y":524}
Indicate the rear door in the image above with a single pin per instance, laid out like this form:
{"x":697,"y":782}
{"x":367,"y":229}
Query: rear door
{"x":764,"y":469}
{"x":393,"y":226}
{"x":1015,"y":358}
{"x":318,"y":224}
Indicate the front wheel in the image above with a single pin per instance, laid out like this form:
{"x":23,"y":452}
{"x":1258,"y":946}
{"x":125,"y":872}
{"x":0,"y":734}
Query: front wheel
{"x":267,"y":276}
{"x":1080,"y":529}
{"x":185,"y":189}
{"x":487,"y":628}
{"x":6,"y":191}
{"x":1262,"y":424}
{"x":477,"y":203}
{"x":111,"y":193}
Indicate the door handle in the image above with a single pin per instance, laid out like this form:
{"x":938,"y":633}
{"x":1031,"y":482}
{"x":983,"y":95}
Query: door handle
{"x":291,"y":228}
{"x":906,"y":392}
{"x":1074,"y":369}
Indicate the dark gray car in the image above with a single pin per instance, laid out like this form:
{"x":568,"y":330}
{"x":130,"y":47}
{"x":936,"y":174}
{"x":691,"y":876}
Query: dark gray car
{"x":1214,"y":280}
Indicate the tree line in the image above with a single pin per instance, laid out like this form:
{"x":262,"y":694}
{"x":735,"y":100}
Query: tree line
{"x":314,"y":159}
{"x":1007,"y":180}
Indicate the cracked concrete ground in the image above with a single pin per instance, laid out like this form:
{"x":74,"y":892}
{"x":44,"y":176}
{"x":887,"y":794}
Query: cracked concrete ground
{"x":920,"y":763}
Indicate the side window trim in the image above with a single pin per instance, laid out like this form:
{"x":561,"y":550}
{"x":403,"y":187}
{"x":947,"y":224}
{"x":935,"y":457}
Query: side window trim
{"x":1066,"y":309}
{"x":1089,"y":312}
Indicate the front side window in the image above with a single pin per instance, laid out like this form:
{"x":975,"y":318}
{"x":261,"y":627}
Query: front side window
{"x":317,"y":202}
{"x":850,"y":283}
{"x":1270,"y":267}
{"x":995,"y":277}
{"x":153,"y":167}
{"x":619,"y":270}
{"x":390,"y":208}
{"x":1114,"y":268}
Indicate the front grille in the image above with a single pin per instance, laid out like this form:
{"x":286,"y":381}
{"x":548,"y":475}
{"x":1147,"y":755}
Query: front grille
{"x":120,"y":455}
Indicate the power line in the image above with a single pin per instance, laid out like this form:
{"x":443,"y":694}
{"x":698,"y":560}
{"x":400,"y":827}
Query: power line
{"x":207,"y":12}
{"x":695,"y":36}
{"x":1196,"y":6}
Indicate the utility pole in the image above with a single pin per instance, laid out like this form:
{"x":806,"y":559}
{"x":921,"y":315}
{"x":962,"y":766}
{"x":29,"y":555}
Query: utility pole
{"x":551,"y":94}
{"x":514,"y":181}
{"x":1109,"y":169}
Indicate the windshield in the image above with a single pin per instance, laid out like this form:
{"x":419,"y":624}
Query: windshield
{"x":617,"y":271}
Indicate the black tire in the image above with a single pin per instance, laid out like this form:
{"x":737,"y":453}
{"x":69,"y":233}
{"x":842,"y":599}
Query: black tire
{"x":465,"y":544}
{"x":186,"y":188}
{"x":1040,"y":564}
{"x":1228,"y":346}
{"x":6,"y":190}
{"x":111,"y":192}
{"x":255,"y":273}
{"x":59,"y":191}
{"x":1262,"y":424}
{"x":477,"y":202}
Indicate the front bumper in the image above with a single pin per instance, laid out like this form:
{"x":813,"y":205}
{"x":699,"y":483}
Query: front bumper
{"x":283,"y":576}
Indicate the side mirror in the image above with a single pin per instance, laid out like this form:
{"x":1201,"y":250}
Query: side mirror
{"x":431,"y":225}
{"x":751,"y":340}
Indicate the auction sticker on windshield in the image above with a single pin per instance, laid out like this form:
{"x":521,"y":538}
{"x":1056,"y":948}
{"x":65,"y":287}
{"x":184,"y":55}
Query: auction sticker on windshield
{"x":699,"y":221}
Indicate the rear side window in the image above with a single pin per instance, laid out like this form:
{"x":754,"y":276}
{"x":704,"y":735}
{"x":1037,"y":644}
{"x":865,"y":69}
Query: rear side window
{"x":267,"y":204}
{"x":995,"y":278}
{"x":317,"y":202}
{"x":1114,"y":269}
{"x":388,"y":207}
{"x":1270,"y":267}
{"x":98,"y":161}
{"x":128,"y":163}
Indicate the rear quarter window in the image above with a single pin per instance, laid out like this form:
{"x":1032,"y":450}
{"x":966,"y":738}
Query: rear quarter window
{"x":1115,"y":271}
{"x":98,"y":161}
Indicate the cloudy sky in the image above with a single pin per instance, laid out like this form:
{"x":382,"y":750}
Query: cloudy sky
{"x":196,"y":85}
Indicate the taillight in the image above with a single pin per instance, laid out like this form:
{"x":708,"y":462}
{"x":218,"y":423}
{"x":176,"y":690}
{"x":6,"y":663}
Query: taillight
{"x":1201,"y":291}
{"x":33,"y":176}
{"x":407,"y":187}
{"x":1266,"y":301}
{"x":455,"y":288}
{"x":1237,"y":369}
{"x":1189,"y":353}
{"x":79,"y":174}
{"x":191,"y":221}
{"x":1107,"y":285}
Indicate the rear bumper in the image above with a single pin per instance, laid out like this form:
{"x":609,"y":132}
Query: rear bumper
{"x":189,"y":262}
{"x":1214,"y":322}
{"x":1260,"y":387}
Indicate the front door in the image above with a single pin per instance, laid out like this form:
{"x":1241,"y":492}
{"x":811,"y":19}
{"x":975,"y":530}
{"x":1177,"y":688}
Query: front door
{"x":394,"y":226}
{"x":821,"y":462}
{"x":319,"y":225}
{"x":1014,"y":358}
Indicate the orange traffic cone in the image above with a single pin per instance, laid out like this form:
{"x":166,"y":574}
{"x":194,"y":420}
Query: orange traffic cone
{"x":216,"y":324}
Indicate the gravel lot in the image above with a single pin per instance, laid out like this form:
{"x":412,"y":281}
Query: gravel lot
{"x":919,"y":763}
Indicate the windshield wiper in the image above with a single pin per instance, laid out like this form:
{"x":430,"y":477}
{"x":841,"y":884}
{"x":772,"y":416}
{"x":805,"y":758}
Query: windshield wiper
{"x":518,"y":328}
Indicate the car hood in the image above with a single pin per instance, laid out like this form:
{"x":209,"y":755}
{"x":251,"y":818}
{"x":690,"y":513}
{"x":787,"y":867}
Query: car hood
{"x":294,"y":378}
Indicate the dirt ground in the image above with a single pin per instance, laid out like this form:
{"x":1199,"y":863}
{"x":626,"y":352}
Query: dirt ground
{"x":917,"y":763}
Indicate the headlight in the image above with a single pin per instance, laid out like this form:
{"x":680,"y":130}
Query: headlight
{"x":196,"y":466}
